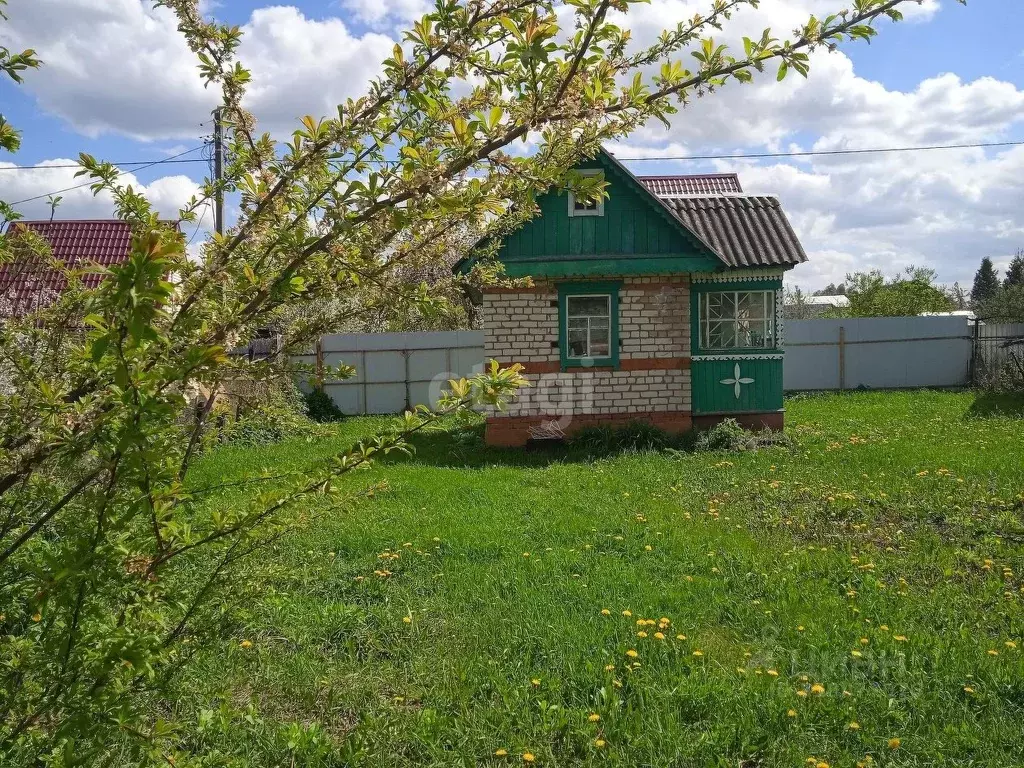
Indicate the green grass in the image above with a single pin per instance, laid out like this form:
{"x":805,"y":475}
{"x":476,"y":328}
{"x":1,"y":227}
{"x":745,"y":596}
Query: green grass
{"x":893,"y":528}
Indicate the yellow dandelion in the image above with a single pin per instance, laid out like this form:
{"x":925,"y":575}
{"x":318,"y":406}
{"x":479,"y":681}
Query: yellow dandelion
{"x":894,"y":743}
{"x":900,"y":638}
{"x":37,"y":617}
{"x":664,"y":621}
{"x":1010,"y":644}
{"x":528,"y":757}
{"x":884,"y":627}
{"x":864,"y":641}
{"x":773,"y":672}
{"x":605,"y":612}
{"x":526,"y":554}
{"x":407,"y":619}
{"x":790,"y":713}
{"x":800,"y":628}
{"x":821,"y":764}
{"x":648,"y":548}
{"x":500,"y":752}
{"x":817,"y":689}
{"x":698,"y":653}
{"x":659,"y":636}
{"x":245,"y":644}
{"x":609,"y":667}
{"x":856,"y":653}
{"x":641,"y":634}
{"x":801,"y":693}
{"x":680,"y":637}
{"x":854,"y":726}
{"x":632,"y":654}
{"x":599,"y":743}
{"x":535,"y":682}
{"x":968,"y":689}
{"x":627,"y":613}
{"x":593,"y":717}
{"x":993,"y":652}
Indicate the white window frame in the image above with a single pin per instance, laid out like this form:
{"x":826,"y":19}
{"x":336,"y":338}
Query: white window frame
{"x":768,"y":308}
{"x":568,"y":353}
{"x":598,"y":210}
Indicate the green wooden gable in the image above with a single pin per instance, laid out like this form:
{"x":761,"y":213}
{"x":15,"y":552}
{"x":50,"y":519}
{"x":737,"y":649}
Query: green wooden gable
{"x":636,"y":235}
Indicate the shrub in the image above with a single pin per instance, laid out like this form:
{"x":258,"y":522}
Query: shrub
{"x":729,"y":435}
{"x":320,"y":407}
{"x":633,"y":436}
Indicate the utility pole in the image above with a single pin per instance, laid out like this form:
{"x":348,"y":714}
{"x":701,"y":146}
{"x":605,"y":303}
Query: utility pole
{"x":218,"y":169}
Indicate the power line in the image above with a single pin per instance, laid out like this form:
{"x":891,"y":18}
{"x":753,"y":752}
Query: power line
{"x":827,"y":152}
{"x":78,"y":165}
{"x":90,"y":183}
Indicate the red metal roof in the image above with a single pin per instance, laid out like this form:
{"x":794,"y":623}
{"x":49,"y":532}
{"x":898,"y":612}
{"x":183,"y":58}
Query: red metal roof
{"x":694,"y":184}
{"x":29,"y":284}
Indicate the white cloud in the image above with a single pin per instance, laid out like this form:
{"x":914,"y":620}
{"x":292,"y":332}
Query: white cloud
{"x":120,"y":66}
{"x":167,"y":194}
{"x":383,"y":13}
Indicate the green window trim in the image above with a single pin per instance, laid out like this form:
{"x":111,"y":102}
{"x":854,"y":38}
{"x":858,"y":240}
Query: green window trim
{"x":696,"y":328}
{"x":609,"y":288}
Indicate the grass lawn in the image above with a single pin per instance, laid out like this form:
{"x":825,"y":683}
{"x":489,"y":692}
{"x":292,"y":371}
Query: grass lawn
{"x":853,"y":600}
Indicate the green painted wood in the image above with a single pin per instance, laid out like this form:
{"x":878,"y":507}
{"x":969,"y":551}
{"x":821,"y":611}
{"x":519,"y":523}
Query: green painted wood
{"x":634,"y":228}
{"x":711,"y":395}
{"x":565,"y":290}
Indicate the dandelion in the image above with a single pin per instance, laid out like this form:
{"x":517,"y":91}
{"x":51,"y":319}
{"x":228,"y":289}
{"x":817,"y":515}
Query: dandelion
{"x":528,"y":757}
{"x":821,"y":764}
{"x":632,"y":653}
{"x":37,"y":617}
{"x":680,"y":637}
{"x":817,"y":689}
{"x":968,"y":689}
{"x":773,"y":673}
{"x":698,"y":653}
{"x":856,"y":654}
{"x":864,"y":641}
{"x":526,"y":554}
{"x":664,"y":621}
{"x":648,"y":548}
{"x":800,"y":628}
{"x":854,"y":726}
{"x":535,"y":682}
{"x":894,"y":743}
{"x":641,"y":634}
{"x":801,"y":694}
{"x":790,"y":713}
{"x":245,"y":644}
{"x":500,"y":752}
{"x":599,"y":743}
{"x":627,"y":613}
{"x":900,"y":638}
{"x":884,"y":627}
{"x":605,"y":612}
{"x":593,"y":717}
{"x":609,"y":667}
{"x":1010,"y":644}
{"x":993,"y":652}
{"x":659,"y":636}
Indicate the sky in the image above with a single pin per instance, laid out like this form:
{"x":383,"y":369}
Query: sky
{"x":119,"y":83}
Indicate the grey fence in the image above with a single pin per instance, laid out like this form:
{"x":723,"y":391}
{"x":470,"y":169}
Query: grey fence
{"x":397,"y":370}
{"x":877,"y":353}
{"x":998,"y":352}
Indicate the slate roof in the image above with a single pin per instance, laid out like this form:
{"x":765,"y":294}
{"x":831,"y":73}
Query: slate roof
{"x":693,"y":184}
{"x":28,"y":284}
{"x":744,"y":230}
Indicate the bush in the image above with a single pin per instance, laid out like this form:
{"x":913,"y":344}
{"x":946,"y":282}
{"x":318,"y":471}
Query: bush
{"x":633,"y":436}
{"x":320,"y":407}
{"x":278,"y":412}
{"x":728,"y":435}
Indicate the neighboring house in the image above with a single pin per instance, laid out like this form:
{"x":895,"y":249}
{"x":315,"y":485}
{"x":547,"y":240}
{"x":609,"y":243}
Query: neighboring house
{"x":660,"y":303}
{"x":807,"y":307}
{"x":30,"y":284}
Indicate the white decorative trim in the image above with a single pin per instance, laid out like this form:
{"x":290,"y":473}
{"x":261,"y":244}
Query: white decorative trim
{"x":706,"y":358}
{"x":779,"y":335}
{"x":725,"y":277}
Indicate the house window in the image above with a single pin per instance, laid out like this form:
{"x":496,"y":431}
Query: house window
{"x":588,"y":319}
{"x":737,"y":320}
{"x":588,"y":324}
{"x":583,"y":208}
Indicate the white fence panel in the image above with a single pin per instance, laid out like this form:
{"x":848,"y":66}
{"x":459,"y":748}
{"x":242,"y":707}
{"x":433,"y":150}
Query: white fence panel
{"x":877,"y":353}
{"x":395,"y":371}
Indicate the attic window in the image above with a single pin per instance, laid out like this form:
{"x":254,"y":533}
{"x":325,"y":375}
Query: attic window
{"x":582,"y":208}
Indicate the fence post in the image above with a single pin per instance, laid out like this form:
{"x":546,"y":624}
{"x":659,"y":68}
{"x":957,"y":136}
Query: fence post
{"x":842,"y":358}
{"x":320,"y":363}
{"x":975,"y":340}
{"x":408,"y":384}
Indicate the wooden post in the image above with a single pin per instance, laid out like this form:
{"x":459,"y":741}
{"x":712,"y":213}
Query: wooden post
{"x":842,"y":358}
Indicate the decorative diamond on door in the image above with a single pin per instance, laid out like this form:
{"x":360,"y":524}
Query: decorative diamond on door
{"x":736,"y":381}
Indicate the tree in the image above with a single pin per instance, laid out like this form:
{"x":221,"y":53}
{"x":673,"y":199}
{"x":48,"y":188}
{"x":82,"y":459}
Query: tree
{"x":986,"y":283}
{"x":1015,"y":272}
{"x":1007,"y":305}
{"x":832,"y":290}
{"x":908,"y":294}
{"x":109,"y":560}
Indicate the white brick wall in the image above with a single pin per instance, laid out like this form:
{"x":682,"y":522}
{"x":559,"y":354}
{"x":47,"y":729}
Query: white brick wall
{"x":654,"y":322}
{"x":602,"y":392}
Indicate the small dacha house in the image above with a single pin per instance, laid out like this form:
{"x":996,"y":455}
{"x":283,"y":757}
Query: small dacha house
{"x":659,"y":303}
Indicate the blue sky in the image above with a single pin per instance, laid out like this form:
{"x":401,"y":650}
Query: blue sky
{"x":953,"y":74}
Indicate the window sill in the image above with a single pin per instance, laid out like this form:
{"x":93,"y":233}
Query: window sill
{"x":589,"y":363}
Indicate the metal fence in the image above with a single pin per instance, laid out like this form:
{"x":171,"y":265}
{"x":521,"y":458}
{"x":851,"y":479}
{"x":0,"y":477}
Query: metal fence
{"x":998,"y":352}
{"x":397,"y":370}
{"x":877,"y":353}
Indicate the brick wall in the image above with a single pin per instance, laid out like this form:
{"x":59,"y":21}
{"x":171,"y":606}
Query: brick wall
{"x":653,"y":380}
